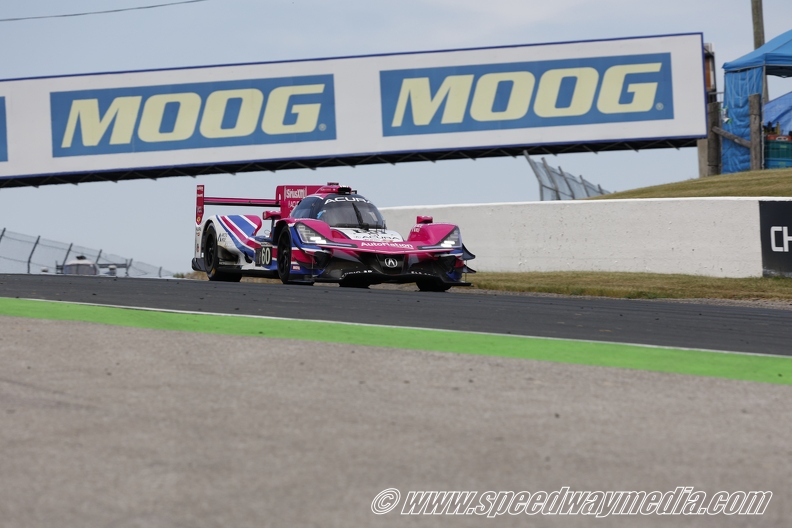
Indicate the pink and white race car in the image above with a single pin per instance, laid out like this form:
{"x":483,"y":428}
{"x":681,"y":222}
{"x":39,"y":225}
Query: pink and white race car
{"x":325,"y":233}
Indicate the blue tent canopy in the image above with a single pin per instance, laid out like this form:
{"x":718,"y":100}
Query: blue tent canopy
{"x":745,"y":76}
{"x":775,"y":57}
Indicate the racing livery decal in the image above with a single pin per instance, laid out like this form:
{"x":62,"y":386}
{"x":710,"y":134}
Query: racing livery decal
{"x":3,"y":133}
{"x":241,"y":228}
{"x":190,"y":116}
{"x":568,"y":92}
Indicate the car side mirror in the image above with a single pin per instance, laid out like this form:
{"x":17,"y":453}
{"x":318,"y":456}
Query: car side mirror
{"x":424,"y":220}
{"x":274,"y":215}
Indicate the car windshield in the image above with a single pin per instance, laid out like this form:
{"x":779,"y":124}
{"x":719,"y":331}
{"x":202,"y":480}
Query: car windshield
{"x":348,"y":211}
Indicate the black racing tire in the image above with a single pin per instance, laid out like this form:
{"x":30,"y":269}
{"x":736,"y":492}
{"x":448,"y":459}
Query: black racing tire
{"x":212,"y":258}
{"x":284,"y":256}
{"x":432,"y":285}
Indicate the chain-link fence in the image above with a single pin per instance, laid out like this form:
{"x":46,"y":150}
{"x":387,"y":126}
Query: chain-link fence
{"x":28,"y":254}
{"x":555,"y":184}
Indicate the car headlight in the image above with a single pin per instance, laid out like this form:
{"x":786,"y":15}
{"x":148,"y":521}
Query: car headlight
{"x":310,"y":236}
{"x":452,"y":240}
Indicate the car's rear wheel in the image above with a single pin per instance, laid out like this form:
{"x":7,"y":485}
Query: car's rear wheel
{"x":432,"y":285}
{"x":284,"y":256}
{"x":212,"y":258}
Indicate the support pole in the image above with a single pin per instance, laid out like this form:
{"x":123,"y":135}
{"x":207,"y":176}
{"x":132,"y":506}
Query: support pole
{"x":713,"y":140}
{"x":569,"y":185}
{"x":552,"y":179}
{"x":68,"y":251}
{"x":30,"y":258}
{"x":585,"y":186}
{"x":755,"y":110}
{"x":757,"y":15}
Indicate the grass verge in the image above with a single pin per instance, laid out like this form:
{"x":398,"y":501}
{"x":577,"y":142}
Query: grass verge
{"x":777,"y":182}
{"x":638,"y":285}
{"x":745,"y":367}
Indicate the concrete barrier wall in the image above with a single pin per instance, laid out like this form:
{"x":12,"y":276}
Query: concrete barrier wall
{"x":717,"y":237}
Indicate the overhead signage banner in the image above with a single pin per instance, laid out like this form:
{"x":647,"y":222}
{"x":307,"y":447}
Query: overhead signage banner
{"x":553,"y":94}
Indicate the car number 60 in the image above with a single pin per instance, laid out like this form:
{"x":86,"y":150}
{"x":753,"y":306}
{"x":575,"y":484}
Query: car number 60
{"x":266,"y":256}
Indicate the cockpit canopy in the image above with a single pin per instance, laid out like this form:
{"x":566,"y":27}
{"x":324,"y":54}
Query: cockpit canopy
{"x":341,"y":210}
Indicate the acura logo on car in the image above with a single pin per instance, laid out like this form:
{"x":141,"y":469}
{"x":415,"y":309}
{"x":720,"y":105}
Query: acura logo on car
{"x":391,"y":262}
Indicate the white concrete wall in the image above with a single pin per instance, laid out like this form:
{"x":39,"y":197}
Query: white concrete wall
{"x":717,"y":237}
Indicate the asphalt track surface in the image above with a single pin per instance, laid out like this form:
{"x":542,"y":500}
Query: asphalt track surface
{"x":121,"y":427}
{"x":705,"y":326}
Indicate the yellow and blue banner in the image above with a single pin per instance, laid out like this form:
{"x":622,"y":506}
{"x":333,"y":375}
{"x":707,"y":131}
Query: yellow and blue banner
{"x":594,"y":95}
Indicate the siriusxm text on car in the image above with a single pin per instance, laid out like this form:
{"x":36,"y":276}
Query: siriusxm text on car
{"x":3,"y":132}
{"x":527,"y":94}
{"x":196,"y":115}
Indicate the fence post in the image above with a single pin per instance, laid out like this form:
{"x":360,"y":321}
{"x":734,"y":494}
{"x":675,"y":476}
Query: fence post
{"x":159,"y":273}
{"x":1,"y":234}
{"x":129,"y":265}
{"x":552,"y":179}
{"x":98,"y":257}
{"x":67,"y":255}
{"x":585,"y":187}
{"x":30,"y":258}
{"x":713,"y":140}
{"x":571,"y":190}
{"x":755,"y":109}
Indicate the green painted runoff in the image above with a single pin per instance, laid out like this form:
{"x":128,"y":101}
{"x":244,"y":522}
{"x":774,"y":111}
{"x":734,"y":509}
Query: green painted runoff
{"x":746,"y":367}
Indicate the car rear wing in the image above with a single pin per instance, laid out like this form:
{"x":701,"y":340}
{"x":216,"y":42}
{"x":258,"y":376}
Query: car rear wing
{"x":286,"y":198}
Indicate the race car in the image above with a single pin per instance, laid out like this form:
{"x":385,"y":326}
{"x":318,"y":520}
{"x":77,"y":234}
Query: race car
{"x":325,"y":233}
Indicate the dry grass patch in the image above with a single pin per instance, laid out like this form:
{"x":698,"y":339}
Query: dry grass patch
{"x":637,"y":285}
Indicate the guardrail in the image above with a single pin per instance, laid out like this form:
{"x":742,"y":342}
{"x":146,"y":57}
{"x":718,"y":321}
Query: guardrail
{"x":21,"y":253}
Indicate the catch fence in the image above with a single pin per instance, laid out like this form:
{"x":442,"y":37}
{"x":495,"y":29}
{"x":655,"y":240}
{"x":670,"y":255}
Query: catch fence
{"x":29,"y":254}
{"x":555,"y":184}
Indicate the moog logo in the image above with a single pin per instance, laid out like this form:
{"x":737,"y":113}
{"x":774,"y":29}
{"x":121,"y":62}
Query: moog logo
{"x":186,"y":116}
{"x":780,"y":244}
{"x":3,"y":132}
{"x":527,"y":94}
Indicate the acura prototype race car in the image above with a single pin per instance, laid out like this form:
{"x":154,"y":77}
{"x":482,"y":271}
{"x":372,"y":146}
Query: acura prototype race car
{"x":325,"y":233}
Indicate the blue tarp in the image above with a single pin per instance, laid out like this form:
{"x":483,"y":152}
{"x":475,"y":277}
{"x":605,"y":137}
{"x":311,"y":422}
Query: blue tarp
{"x":779,"y":111}
{"x":745,"y":76}
{"x":737,"y":118}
